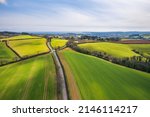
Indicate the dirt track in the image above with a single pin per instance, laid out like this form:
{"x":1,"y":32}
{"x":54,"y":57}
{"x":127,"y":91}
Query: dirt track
{"x":60,"y":74}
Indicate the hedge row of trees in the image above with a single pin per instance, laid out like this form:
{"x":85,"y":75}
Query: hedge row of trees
{"x":135,"y":62}
{"x":4,"y":61}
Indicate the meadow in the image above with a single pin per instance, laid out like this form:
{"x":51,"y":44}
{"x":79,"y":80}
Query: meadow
{"x":96,"y":78}
{"x":30,"y":79}
{"x":142,"y":48}
{"x":29,"y":47}
{"x":6,"y":53}
{"x":57,"y":43}
{"x":113,"y":49}
{"x":21,"y":37}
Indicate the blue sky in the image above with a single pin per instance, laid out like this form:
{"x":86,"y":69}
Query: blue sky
{"x":75,"y":15}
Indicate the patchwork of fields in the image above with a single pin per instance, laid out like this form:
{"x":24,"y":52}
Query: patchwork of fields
{"x":56,"y":43}
{"x":30,"y":79}
{"x":87,"y":77}
{"x":99,"y":79}
{"x":29,"y":47}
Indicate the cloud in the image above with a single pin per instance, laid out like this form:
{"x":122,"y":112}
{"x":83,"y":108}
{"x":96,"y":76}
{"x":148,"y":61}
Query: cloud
{"x":2,"y":1}
{"x":79,"y":15}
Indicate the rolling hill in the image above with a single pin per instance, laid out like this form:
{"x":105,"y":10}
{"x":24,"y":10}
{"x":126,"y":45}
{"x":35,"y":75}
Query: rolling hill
{"x":92,"y":78}
{"x":113,"y":49}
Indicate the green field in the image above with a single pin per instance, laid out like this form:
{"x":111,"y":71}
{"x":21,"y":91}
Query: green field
{"x":56,"y":43}
{"x":6,"y":53}
{"x":29,"y":47}
{"x":147,"y":36}
{"x":30,"y":79}
{"x":99,"y":79}
{"x":21,"y":37}
{"x":113,"y":49}
{"x":142,"y":48}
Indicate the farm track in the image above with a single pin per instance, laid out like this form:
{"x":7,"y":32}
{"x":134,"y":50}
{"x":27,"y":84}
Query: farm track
{"x":62,"y":87}
{"x":73,"y":88}
{"x":102,"y":84}
{"x":30,"y":80}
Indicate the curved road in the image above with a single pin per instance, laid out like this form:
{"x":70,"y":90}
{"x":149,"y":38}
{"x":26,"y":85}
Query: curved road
{"x":61,"y":76}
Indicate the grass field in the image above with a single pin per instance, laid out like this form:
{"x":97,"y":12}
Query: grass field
{"x":29,"y":47}
{"x":6,"y":53}
{"x":113,"y":49}
{"x":30,"y":79}
{"x":58,"y":42}
{"x":142,"y":48}
{"x":99,"y":79}
{"x":21,"y":37}
{"x":147,"y":36}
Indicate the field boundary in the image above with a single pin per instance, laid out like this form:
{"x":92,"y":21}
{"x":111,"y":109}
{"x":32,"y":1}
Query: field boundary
{"x":23,"y":59}
{"x":6,"y":42}
{"x":58,"y":83}
{"x":77,"y":96}
{"x":62,"y":90}
{"x":67,"y":88}
{"x":133,"y":63}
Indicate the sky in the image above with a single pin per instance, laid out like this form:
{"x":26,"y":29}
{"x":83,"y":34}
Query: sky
{"x":74,"y":15}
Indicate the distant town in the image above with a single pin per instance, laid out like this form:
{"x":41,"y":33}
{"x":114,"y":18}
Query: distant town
{"x":84,"y":35}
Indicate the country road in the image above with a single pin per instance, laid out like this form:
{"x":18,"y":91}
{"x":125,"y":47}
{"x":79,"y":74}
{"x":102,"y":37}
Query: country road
{"x":61,"y":77}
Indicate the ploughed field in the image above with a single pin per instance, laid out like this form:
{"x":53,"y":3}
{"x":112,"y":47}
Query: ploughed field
{"x":133,"y":41}
{"x":113,"y":49}
{"x":89,"y":77}
{"x":34,"y":78}
{"x":5,"y":53}
{"x":56,"y":43}
{"x":29,"y":47}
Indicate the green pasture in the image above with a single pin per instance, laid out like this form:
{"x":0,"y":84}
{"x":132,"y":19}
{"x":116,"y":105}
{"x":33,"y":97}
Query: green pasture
{"x":21,"y":37}
{"x":100,"y":79}
{"x":32,"y":79}
{"x":56,"y":43}
{"x":113,"y":49}
{"x":6,"y":53}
